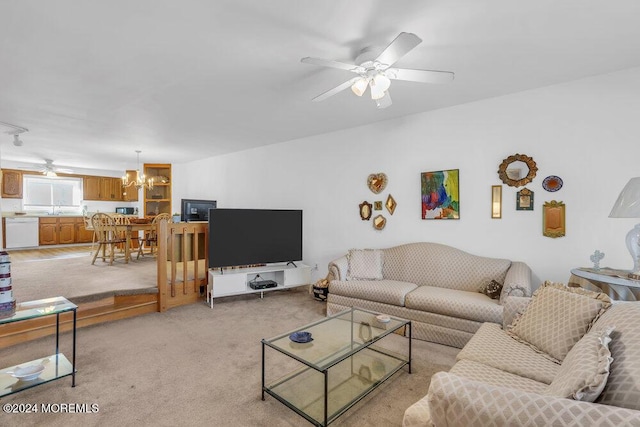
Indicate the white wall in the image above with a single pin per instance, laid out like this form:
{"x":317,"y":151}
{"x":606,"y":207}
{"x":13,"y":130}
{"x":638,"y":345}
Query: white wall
{"x":587,"y":132}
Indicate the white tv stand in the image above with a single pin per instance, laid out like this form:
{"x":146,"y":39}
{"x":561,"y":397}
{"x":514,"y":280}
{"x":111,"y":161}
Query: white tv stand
{"x":236,"y":281}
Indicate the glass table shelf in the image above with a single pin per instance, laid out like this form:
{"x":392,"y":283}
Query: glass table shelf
{"x":345,"y":361}
{"x":57,"y":365}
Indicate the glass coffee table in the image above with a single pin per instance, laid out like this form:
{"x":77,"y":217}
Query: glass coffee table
{"x":348,"y":357}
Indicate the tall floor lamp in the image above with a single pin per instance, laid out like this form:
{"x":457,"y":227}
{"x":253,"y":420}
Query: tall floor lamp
{"x":628,"y":206}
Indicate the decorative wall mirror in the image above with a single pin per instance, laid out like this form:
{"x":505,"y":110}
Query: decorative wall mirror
{"x":553,"y":219}
{"x":517,"y":170}
{"x":379,"y":222}
{"x":365,"y":210}
{"x":524,"y":200}
{"x":391,"y":204}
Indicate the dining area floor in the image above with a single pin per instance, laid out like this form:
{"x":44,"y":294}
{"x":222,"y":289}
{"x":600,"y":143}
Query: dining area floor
{"x":67,"y":271}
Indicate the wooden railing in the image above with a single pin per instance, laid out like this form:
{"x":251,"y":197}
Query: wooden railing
{"x":182,"y":263}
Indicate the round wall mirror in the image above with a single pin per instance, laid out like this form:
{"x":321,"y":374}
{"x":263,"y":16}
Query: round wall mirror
{"x":517,"y":170}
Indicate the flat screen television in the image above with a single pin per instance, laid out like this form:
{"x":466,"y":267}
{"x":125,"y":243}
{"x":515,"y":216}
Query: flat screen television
{"x":239,"y":237}
{"x":196,"y":210}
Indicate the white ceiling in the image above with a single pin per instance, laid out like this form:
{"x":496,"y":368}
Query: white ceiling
{"x":95,"y":80}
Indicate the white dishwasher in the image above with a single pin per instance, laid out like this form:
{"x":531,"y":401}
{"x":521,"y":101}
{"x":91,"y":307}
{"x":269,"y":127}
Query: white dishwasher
{"x":21,"y":232}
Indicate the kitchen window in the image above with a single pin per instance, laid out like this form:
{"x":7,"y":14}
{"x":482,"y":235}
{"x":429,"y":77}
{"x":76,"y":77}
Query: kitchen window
{"x":53,"y":194}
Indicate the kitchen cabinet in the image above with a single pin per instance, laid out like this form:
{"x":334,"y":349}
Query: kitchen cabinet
{"x":82,"y":234}
{"x":11,"y":184}
{"x":102,"y":188}
{"x":91,"y":188}
{"x":57,"y":231}
{"x":158,"y":199}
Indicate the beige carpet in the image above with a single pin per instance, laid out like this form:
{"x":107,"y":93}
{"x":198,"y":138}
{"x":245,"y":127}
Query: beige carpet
{"x":73,"y":276}
{"x":199,"y":366}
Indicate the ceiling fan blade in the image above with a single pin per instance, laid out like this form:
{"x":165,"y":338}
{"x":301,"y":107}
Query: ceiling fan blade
{"x":332,"y":64}
{"x":398,"y":48}
{"x":385,"y":101}
{"x":335,"y":90}
{"x":421,"y":76}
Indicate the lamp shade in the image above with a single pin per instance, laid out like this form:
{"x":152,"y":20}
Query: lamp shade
{"x":360,"y":86}
{"x":382,"y":81}
{"x":628,"y":203}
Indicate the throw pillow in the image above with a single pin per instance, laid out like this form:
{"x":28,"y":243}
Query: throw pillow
{"x":365,"y":264}
{"x":585,"y":370}
{"x":557,"y":317}
{"x":492,"y":289}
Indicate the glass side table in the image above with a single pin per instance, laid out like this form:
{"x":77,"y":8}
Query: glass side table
{"x":56,"y":366}
{"x":614,"y":283}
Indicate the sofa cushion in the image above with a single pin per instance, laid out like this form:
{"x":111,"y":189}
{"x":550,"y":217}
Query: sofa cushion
{"x":365,"y":264}
{"x":456,"y":303}
{"x":557,"y":317}
{"x":623,"y":385}
{"x":494,"y":347}
{"x":584,"y":372}
{"x":440,"y":265}
{"x":480,"y":372}
{"x":384,"y":291}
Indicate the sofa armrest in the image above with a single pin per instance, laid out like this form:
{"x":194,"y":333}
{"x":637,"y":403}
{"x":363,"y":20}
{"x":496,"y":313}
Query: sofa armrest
{"x":457,"y":401}
{"x":517,"y":282}
{"x":512,"y":308}
{"x":338,"y":268}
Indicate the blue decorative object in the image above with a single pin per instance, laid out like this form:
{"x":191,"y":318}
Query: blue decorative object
{"x":595,"y":259}
{"x":301,"y":337}
{"x":552,"y":183}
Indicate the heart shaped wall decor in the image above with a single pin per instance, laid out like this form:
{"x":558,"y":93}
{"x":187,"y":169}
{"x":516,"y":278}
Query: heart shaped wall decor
{"x":377,"y":182}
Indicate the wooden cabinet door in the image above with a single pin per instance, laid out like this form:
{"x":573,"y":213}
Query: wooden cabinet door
{"x":82,"y":234}
{"x":66,"y":230}
{"x":48,"y":231}
{"x":116,"y":189}
{"x":11,"y":184}
{"x":91,"y":188}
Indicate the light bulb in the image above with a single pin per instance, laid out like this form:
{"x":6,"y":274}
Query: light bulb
{"x":382,"y":81}
{"x":360,"y":86}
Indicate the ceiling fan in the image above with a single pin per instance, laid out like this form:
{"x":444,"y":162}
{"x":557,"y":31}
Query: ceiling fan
{"x":376,"y":72}
{"x":49,"y":169}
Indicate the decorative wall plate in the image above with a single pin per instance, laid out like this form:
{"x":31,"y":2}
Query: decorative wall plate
{"x":377,"y":182}
{"x":379,"y":222}
{"x":552,"y":183}
{"x":377,"y":206}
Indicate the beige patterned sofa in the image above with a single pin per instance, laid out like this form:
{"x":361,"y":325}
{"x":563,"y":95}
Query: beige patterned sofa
{"x":434,"y":285}
{"x":500,"y":381}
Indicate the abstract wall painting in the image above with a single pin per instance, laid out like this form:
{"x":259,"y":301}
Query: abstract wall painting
{"x":440,"y":191}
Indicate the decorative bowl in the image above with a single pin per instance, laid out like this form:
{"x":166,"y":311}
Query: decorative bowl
{"x":301,"y":337}
{"x":383,"y":318}
{"x":28,"y":373}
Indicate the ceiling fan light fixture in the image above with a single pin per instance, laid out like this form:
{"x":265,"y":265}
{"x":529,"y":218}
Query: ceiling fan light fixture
{"x":382,"y":81}
{"x":360,"y":86}
{"x":50,"y":173}
{"x":376,"y":91}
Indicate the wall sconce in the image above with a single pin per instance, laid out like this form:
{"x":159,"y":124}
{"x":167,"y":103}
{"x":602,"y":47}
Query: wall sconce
{"x":496,"y":201}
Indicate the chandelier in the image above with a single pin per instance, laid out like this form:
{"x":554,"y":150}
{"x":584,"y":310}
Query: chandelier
{"x":140,"y":180}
